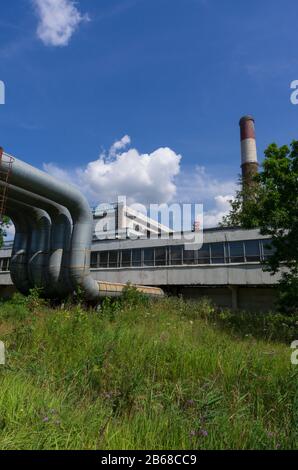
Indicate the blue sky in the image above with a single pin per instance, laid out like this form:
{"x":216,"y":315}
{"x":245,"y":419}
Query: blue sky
{"x":167,"y":73}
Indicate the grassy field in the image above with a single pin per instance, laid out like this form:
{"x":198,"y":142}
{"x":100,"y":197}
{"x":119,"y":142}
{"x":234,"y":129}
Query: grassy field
{"x":145,"y":375}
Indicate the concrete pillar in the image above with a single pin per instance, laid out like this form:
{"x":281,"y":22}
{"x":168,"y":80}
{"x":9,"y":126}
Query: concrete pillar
{"x":234,"y":294}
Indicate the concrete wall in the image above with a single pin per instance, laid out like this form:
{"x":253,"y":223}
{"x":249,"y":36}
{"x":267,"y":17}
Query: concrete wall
{"x":244,"y":274}
{"x":259,"y":299}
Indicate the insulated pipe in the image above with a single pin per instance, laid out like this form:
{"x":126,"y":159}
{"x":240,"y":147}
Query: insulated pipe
{"x":39,"y":227}
{"x":57,"y":268}
{"x":32,"y":179}
{"x":18,"y":262}
{"x":39,"y":251}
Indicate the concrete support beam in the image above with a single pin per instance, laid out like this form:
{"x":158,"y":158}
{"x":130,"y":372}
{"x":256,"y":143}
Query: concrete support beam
{"x":234,"y":293}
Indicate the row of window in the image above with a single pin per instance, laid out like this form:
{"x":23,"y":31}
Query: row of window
{"x":210,"y":253}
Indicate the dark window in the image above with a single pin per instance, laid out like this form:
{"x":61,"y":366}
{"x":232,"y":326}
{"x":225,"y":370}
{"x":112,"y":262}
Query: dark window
{"x":176,"y":254}
{"x":6,"y":263}
{"x":94,"y":259}
{"x":137,"y":257}
{"x":217,"y":253}
{"x":148,"y":256}
{"x":126,"y":258}
{"x":252,"y":250}
{"x":236,"y":252}
{"x":204,"y":254}
{"x":268,"y":249}
{"x":103,"y":259}
{"x":160,"y":256}
{"x":189,"y":256}
{"x":113,"y":259}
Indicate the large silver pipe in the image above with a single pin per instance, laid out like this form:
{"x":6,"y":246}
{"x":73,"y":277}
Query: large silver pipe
{"x":39,"y":182}
{"x":18,"y":261}
{"x":36,"y":258}
{"x":58,"y":260}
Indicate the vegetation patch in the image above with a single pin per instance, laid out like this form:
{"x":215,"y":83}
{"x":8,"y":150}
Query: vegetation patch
{"x":139,"y":374}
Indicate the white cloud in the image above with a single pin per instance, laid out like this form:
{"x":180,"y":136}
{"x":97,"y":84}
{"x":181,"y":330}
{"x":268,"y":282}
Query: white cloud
{"x":149,"y":178}
{"x":221,"y":208}
{"x":199,"y":186}
{"x":58,"y":20}
{"x":141,"y":177}
{"x":120,"y":144}
{"x":57,"y":172}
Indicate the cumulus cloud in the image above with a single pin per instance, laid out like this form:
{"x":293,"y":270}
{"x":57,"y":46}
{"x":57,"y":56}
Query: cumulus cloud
{"x":141,"y":177}
{"x":149,"y":178}
{"x":58,"y":20}
{"x":57,"y":172}
{"x":221,"y":208}
{"x":119,"y":145}
{"x":199,"y":186}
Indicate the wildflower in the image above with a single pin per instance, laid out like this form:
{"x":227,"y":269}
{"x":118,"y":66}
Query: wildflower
{"x":203,"y":432}
{"x":46,"y":419}
{"x":190,"y":402}
{"x":193,"y":433}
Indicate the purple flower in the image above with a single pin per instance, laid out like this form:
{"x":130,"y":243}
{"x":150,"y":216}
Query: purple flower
{"x":193,"y":433}
{"x":190,"y":402}
{"x":203,"y":432}
{"x":45,"y":419}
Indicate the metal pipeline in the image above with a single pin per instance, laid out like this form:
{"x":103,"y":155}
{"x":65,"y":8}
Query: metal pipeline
{"x":19,"y":261}
{"x":39,"y":182}
{"x":36,"y":259}
{"x":56,"y":270}
{"x":46,"y":205}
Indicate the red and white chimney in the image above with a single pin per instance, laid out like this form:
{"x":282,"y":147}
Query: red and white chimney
{"x":249,"y":159}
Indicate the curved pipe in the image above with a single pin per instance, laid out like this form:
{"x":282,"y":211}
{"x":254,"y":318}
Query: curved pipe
{"x":57,"y":268}
{"x":36,"y":257}
{"x":39,"y":182}
{"x":18,"y":262}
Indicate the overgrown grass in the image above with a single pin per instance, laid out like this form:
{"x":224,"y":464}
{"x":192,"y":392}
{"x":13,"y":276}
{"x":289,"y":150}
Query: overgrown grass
{"x":167,"y":374}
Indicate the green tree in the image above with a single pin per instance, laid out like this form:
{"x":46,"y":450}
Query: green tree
{"x":271,"y":204}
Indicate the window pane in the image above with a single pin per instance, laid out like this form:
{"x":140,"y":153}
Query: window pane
{"x":204,"y":254}
{"x":236,"y":252}
{"x":268,"y":249}
{"x":149,"y":257}
{"x":113,"y":259}
{"x":217,"y":253}
{"x":136,"y":257}
{"x":189,"y":257}
{"x":252,"y":250}
{"x":126,"y":258}
{"x":176,"y":254}
{"x":94,"y":260}
{"x":160,"y":256}
{"x":103,"y":259}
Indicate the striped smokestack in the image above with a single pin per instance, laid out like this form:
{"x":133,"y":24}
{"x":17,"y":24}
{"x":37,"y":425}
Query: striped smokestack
{"x":249,"y":160}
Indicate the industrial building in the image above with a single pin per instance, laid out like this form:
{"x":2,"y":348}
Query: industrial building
{"x":227,"y":268}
